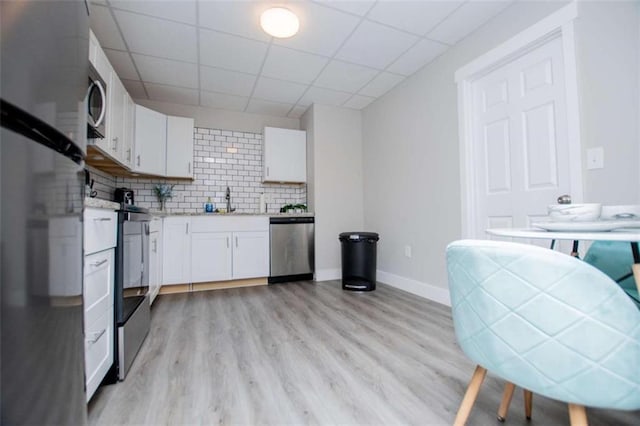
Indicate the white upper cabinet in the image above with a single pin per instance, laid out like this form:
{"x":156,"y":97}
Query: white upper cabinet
{"x":129,"y":125}
{"x":284,"y":155}
{"x":150,"y":141}
{"x":180,"y":147}
{"x":115,"y":116}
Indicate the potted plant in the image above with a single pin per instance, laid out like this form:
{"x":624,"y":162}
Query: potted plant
{"x":163,"y":191}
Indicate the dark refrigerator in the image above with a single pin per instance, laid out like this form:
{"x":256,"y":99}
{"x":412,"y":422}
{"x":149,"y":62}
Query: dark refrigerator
{"x":43,"y":83}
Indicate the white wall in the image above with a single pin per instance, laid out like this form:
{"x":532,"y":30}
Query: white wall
{"x":411,"y":155}
{"x":335,"y":187}
{"x":607,"y":55}
{"x":213,"y":118}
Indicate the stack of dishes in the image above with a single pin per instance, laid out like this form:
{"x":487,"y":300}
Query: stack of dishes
{"x":590,"y":217}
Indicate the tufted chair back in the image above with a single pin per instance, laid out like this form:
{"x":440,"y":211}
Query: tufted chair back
{"x":546,"y":322}
{"x":614,"y":258}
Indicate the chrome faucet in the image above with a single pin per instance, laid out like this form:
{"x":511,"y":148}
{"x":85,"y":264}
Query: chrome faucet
{"x":228,"y":198}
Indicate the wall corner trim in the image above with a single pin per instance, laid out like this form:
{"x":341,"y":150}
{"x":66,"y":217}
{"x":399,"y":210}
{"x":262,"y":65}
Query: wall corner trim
{"x":428,"y":291}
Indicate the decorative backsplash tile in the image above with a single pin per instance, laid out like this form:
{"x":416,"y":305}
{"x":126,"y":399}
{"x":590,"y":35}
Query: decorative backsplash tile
{"x":221,"y":158}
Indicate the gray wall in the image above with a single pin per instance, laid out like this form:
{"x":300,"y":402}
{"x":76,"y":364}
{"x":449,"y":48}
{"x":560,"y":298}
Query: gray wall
{"x":410,"y":136}
{"x":335,"y":187}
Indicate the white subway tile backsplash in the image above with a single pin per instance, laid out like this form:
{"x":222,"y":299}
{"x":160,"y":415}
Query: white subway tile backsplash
{"x":221,"y":158}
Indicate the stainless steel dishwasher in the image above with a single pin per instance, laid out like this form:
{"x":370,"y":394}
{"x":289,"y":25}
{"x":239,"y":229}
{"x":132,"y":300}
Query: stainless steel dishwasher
{"x":292,"y":248}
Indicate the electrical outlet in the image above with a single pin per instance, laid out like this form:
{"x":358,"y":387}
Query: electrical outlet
{"x":407,"y":251}
{"x":595,"y":158}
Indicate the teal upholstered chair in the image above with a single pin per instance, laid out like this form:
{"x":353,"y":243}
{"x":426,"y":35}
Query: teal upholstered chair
{"x":614,"y":258}
{"x":546,"y":322}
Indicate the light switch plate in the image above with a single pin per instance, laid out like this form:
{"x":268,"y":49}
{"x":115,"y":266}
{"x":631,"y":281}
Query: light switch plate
{"x":595,"y":158}
{"x":407,"y":251}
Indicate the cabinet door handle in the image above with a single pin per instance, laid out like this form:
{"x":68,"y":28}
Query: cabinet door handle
{"x":138,"y":160}
{"x":189,"y":167}
{"x":129,"y":154}
{"x":99,"y":262}
{"x":155,"y":246}
{"x":102,"y":219}
{"x":267,"y":171}
{"x":227,"y":242}
{"x":187,"y":228}
{"x":115,"y":143}
{"x":96,"y":336}
{"x":236,"y":241}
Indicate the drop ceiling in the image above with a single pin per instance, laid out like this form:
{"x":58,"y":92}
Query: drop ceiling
{"x":214,"y":53}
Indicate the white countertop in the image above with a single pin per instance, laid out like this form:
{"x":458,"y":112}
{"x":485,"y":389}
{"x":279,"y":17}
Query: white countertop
{"x":625,"y":234}
{"x":99,"y":203}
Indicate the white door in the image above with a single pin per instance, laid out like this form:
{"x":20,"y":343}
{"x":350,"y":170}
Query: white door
{"x":520,"y":139}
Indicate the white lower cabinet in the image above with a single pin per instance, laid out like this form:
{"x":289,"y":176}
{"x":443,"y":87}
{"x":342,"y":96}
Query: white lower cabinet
{"x":250,"y":254}
{"x":176,"y":250}
{"x":210,"y":256}
{"x":204,"y":248}
{"x":98,"y":287}
{"x":155,"y":258}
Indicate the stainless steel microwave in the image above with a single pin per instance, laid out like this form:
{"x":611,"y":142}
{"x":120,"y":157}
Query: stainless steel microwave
{"x":96,"y":105}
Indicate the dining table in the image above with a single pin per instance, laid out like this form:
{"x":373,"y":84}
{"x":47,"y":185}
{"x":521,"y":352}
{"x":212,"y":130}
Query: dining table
{"x":629,"y":234}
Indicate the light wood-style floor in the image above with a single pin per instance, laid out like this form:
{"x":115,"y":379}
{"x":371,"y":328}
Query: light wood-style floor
{"x":307,"y":353}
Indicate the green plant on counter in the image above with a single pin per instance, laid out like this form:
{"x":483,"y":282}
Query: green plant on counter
{"x":288,"y":207}
{"x":163,"y":191}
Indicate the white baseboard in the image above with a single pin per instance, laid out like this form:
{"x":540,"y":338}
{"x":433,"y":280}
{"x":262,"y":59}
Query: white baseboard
{"x":328,"y":274}
{"x":428,"y":291}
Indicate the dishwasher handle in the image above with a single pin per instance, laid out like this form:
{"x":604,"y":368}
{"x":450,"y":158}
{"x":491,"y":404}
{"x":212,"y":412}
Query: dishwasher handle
{"x":291,"y":220}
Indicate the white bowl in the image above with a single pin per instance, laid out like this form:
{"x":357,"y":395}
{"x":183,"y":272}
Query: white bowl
{"x":631,"y":211}
{"x":574,"y":212}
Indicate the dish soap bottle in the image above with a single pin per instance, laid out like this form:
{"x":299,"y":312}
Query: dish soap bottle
{"x":208,"y":206}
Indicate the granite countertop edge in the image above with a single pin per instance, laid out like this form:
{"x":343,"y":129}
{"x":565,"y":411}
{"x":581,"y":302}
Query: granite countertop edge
{"x":157,"y":213}
{"x":99,"y":203}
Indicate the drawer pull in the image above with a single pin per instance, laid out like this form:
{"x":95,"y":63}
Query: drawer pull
{"x":99,"y":262}
{"x":102,"y":219}
{"x":96,"y":337}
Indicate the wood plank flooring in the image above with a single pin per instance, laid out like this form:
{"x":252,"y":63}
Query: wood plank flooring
{"x":308,"y":353}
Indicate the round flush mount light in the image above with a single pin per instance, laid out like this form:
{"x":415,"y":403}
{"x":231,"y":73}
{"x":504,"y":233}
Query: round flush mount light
{"x":279,"y":22}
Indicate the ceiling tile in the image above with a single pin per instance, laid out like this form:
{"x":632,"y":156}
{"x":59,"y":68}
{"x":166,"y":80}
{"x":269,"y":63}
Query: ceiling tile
{"x":166,"y":71}
{"x":222,"y":101}
{"x":278,"y":90}
{"x":174,"y":10}
{"x":177,"y":95}
{"x":381,"y":84}
{"x":231,"y":52}
{"x":122,"y":64}
{"x":375,"y":45}
{"x":157,"y":37}
{"x":234,"y":17}
{"x":417,"y":57}
{"x":135,"y":89}
{"x":229,"y":82}
{"x":257,"y":106}
{"x":292,"y":65}
{"x":340,"y":75}
{"x":358,"y":102}
{"x":322,"y":30}
{"x":418,"y":17}
{"x":297,"y":111}
{"x":318,"y":95}
{"x":105,"y":28}
{"x":466,"y":19}
{"x":360,"y":7}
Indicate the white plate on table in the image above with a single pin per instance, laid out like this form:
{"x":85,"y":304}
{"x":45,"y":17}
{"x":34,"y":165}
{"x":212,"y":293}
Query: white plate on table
{"x":592,"y":226}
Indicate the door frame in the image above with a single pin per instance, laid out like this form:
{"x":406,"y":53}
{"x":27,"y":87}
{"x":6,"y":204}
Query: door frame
{"x":558,"y":24}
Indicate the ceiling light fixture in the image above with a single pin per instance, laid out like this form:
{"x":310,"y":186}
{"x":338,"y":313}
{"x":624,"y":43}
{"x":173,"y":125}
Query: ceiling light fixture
{"x":279,"y":22}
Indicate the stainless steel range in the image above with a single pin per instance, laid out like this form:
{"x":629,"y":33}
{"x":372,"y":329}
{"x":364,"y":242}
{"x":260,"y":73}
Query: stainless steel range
{"x":132,"y":314}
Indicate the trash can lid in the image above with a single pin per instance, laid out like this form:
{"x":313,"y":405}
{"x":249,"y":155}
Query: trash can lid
{"x":359,"y":236}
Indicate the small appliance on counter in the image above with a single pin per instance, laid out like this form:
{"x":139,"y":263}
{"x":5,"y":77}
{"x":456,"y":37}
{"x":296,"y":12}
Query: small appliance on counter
{"x":124,"y":196}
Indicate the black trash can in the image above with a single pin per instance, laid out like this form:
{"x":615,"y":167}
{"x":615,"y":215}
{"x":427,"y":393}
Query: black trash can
{"x":359,"y":260}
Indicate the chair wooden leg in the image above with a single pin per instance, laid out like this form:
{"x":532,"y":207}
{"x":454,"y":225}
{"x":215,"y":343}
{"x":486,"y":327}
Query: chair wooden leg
{"x":528,"y":403}
{"x":470,"y":396}
{"x":577,"y":415}
{"x":506,"y":400}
